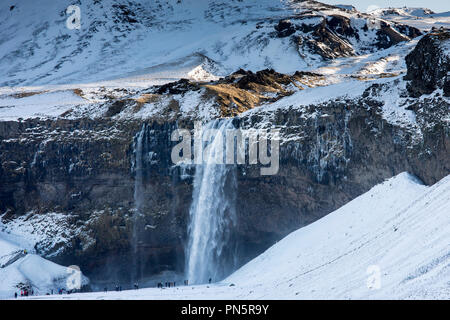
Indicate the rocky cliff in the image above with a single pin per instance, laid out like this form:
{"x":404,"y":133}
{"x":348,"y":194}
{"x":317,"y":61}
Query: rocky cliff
{"x":429,"y":64}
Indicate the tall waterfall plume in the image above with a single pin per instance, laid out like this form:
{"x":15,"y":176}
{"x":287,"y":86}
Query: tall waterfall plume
{"x":210,"y":252}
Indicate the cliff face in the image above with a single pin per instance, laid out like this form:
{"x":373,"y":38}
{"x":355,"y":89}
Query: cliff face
{"x":331,"y":152}
{"x":84,"y":169}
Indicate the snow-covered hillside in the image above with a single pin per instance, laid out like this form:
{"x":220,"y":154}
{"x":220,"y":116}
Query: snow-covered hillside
{"x":20,"y":269}
{"x":50,"y":71}
{"x":137,"y":40}
{"x":116,"y":39}
{"x":392,"y":242}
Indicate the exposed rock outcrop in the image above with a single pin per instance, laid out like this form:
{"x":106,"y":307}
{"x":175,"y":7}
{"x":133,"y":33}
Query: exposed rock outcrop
{"x":284,"y":28}
{"x":429,"y":64}
{"x":329,"y":38}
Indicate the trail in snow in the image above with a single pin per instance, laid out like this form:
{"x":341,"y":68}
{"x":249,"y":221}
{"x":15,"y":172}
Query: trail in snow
{"x":399,"y":231}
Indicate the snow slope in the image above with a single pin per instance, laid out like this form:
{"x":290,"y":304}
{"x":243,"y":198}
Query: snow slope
{"x":397,"y":233}
{"x":141,"y":41}
{"x":116,"y":39}
{"x":47,"y":104}
{"x":30,"y":269}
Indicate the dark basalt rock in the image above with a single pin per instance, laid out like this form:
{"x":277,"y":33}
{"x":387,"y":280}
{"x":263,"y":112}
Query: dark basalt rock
{"x":332,"y":36}
{"x":177,"y":87}
{"x":285,"y":28}
{"x":429,"y":64}
{"x":328,"y":43}
{"x":306,"y":73}
{"x":388,"y":36}
{"x":116,"y":107}
{"x":409,"y":31}
{"x":341,"y":25}
{"x":265,"y":77}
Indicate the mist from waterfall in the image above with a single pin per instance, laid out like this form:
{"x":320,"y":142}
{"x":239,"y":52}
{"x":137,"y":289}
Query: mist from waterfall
{"x":210,"y":252}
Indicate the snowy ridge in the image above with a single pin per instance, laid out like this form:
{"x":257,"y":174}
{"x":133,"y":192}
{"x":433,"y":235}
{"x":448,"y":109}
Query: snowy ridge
{"x":421,"y":18}
{"x":405,"y":11}
{"x":42,"y":233}
{"x":23,"y":242}
{"x":399,"y":228}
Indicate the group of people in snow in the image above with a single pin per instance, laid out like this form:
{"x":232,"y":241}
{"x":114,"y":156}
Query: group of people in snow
{"x":29,"y":291}
{"x":118,"y":287}
{"x":167,"y":284}
{"x":24,"y":292}
{"x":173,"y":284}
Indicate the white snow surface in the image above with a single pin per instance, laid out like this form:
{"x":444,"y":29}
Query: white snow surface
{"x":399,"y":231}
{"x":25,"y":233}
{"x":45,"y":104}
{"x":118,"y":40}
{"x":421,"y":18}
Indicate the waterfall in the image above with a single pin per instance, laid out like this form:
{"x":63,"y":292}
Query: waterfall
{"x":138,"y":147}
{"x":210,"y":252}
